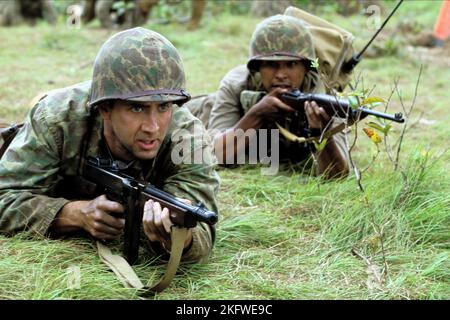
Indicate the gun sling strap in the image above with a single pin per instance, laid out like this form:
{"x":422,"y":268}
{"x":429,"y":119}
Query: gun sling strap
{"x":325,"y":135}
{"x":129,"y":278}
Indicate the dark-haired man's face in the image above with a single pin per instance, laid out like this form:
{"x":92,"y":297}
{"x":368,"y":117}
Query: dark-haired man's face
{"x":136,"y":130}
{"x":282,"y":74}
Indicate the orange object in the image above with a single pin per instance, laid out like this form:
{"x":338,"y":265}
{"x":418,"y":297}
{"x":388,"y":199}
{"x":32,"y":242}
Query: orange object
{"x":442,"y":26}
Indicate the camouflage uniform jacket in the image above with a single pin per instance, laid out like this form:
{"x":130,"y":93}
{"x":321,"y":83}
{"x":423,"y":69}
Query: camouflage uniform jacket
{"x":41,"y":170}
{"x":230,"y":104}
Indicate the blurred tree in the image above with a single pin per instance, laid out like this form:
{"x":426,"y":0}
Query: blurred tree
{"x":349,"y":7}
{"x":29,"y":11}
{"x":266,"y":8}
{"x":170,"y":9}
{"x":130,"y":13}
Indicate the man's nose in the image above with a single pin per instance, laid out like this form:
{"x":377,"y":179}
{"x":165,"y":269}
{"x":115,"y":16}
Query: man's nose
{"x":150,"y":123}
{"x":281,"y":72}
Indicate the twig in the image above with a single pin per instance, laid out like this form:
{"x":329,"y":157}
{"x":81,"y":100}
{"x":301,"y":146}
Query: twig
{"x":372,"y":270}
{"x":380,"y":233}
{"x":386,"y":147}
{"x":407,"y":116}
{"x":352,"y":163}
{"x":359,"y":255}
{"x":374,"y":157}
{"x":350,"y":148}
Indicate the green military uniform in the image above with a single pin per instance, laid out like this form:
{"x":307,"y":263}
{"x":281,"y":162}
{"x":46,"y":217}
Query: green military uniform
{"x":223,"y":109}
{"x":42,"y":169}
{"x":280,"y":38}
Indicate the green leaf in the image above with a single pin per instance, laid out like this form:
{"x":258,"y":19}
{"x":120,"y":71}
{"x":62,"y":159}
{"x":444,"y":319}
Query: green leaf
{"x":320,"y":146}
{"x":375,"y":125}
{"x":359,"y":94}
{"x":384,"y":128}
{"x":353,"y":102}
{"x":315,"y":63}
{"x":118,"y":5}
{"x":372,"y":100}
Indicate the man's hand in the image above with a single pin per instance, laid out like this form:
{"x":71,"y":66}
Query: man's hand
{"x":271,"y":107}
{"x":98,"y":221}
{"x":317,"y":116}
{"x":92,"y":216}
{"x":156,"y":222}
{"x":331,"y":162}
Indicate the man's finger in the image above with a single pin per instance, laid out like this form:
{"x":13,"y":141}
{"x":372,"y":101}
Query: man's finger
{"x":108,"y":206}
{"x":148,"y":223}
{"x":187,"y":201}
{"x":165,"y":218}
{"x":113,"y":222}
{"x":319,"y":111}
{"x":105,"y":229}
{"x":307,"y":108}
{"x":277,"y":92}
{"x":157,"y":211}
{"x":105,"y":236}
{"x":285,"y":107}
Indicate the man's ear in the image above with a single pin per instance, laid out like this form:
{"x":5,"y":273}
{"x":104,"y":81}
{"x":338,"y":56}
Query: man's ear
{"x":104,"y":109}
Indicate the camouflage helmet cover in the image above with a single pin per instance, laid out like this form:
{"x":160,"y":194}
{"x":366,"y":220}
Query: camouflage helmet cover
{"x":281,"y":37}
{"x":138,"y":65}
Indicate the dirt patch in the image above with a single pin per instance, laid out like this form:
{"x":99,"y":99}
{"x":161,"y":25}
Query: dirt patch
{"x":438,"y":56}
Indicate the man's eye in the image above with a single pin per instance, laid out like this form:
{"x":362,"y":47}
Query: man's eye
{"x":165,"y":106}
{"x":136,"y":109}
{"x":270,"y":64}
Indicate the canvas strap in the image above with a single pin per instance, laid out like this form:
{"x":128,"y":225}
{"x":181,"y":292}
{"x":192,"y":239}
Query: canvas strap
{"x":129,"y":278}
{"x":292,"y":137}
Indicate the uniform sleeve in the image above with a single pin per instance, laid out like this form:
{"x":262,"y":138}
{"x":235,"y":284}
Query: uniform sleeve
{"x":193,"y":177}
{"x":198,"y":183}
{"x":28,"y":172}
{"x":226,"y":110}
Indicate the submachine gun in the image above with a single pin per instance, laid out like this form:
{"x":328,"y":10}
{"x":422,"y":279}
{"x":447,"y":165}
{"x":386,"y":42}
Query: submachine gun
{"x":133,"y":194}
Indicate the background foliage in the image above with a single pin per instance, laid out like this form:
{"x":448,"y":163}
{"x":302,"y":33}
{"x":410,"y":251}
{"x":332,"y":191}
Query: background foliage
{"x":288,"y":236}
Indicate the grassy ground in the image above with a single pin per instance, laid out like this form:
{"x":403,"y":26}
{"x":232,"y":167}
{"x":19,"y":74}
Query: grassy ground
{"x":280,"y":237}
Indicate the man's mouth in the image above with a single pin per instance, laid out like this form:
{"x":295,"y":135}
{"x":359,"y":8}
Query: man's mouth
{"x":148,"y":144}
{"x":280,"y":85}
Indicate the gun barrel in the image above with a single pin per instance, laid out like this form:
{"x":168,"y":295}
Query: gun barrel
{"x":340,"y":107}
{"x":335,"y":106}
{"x":198,"y":212}
{"x":398,"y":117}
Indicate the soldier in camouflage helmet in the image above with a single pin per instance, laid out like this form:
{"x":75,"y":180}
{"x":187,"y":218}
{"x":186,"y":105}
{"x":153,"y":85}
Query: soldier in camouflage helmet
{"x":281,"y":38}
{"x":281,"y":52}
{"x":127,"y":113}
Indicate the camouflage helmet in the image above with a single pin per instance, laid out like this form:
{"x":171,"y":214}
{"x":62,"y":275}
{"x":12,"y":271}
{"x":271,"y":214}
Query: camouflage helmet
{"x":281,"y":38}
{"x":138,"y":65}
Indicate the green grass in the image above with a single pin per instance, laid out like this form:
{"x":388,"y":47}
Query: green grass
{"x":287,"y":236}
